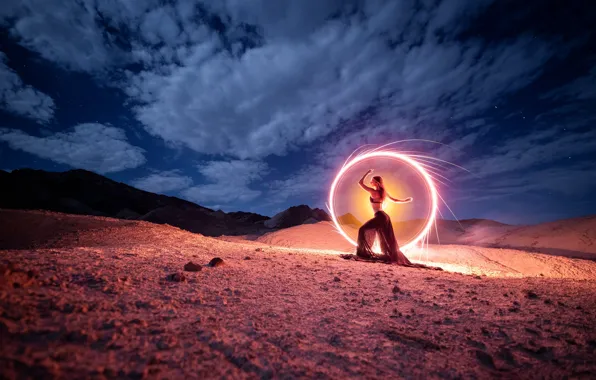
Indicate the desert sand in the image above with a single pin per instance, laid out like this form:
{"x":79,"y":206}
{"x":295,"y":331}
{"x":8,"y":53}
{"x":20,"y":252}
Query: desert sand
{"x":94,"y":297}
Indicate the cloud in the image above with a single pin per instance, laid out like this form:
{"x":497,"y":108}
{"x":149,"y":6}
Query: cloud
{"x":163,"y":182}
{"x":309,"y":180}
{"x":71,"y":34}
{"x":229,"y":182}
{"x":538,"y":147}
{"x":556,"y":185}
{"x":293,"y":89}
{"x":21,"y":99}
{"x":91,"y":146}
{"x":580,"y":89}
{"x":240,"y":172}
{"x":252,"y":79}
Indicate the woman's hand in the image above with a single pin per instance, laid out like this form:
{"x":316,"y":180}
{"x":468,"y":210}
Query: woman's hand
{"x":408,"y":200}
{"x":369,"y":171}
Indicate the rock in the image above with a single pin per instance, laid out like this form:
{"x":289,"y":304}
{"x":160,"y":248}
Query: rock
{"x":176,"y":277}
{"x":507,"y":356}
{"x":259,"y":250}
{"x":247,"y":258}
{"x":32,"y":273}
{"x":531,"y":295}
{"x":216,"y":262}
{"x":336,"y":279}
{"x":485,"y":359}
{"x":192,"y":267}
{"x":396,"y":289}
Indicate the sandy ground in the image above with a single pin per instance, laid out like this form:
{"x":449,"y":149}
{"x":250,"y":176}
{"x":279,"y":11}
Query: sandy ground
{"x":89,"y":297}
{"x":467,"y":259}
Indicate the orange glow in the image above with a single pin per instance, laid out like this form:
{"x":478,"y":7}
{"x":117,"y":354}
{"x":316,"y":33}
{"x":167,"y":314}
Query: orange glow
{"x":361,"y":206}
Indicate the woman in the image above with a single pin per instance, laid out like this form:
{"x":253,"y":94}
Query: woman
{"x":380,"y":226}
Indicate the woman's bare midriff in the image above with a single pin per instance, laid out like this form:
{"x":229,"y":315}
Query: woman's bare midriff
{"x":377,"y":206}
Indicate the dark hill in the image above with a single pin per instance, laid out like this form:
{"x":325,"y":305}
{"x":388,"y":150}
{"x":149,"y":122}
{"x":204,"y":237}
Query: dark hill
{"x":297,"y":215}
{"x":87,"y":193}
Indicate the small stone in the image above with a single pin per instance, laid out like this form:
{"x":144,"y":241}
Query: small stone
{"x":396,"y":289}
{"x":176,"y":277}
{"x":485,"y":359}
{"x":248,"y":258}
{"x":259,"y":250}
{"x":336,"y":279}
{"x":192,"y":267}
{"x":531,"y":295}
{"x":31,"y":273}
{"x":216,"y":262}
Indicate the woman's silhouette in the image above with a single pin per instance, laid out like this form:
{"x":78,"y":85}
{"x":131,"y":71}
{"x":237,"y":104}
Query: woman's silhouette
{"x":380,"y":226}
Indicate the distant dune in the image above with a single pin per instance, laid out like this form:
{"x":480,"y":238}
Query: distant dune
{"x":568,"y":238}
{"x":465,"y":258}
{"x":350,"y":220}
{"x":574,"y":237}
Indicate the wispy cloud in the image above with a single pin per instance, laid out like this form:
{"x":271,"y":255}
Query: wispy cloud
{"x":96,"y":147}
{"x":21,"y":99}
{"x":163,"y":182}
{"x":228,"y":182}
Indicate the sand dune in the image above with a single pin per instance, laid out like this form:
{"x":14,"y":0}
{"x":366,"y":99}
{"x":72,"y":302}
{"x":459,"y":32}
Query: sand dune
{"x":569,"y":237}
{"x":455,"y":257}
{"x":91,"y":297}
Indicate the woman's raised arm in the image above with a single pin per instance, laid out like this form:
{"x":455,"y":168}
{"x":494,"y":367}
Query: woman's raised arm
{"x":361,"y":182}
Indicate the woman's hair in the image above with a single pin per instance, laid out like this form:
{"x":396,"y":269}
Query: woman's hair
{"x":381,"y":185}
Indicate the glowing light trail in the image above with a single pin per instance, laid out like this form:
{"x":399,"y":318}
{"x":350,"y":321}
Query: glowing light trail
{"x":375,"y":153}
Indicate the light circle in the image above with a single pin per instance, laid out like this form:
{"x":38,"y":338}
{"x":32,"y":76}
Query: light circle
{"x":388,"y":154}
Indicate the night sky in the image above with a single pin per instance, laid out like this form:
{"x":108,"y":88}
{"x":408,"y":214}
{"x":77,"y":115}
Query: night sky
{"x":253,"y":105}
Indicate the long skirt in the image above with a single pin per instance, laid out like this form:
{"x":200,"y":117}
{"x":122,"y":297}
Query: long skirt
{"x":380,"y":226}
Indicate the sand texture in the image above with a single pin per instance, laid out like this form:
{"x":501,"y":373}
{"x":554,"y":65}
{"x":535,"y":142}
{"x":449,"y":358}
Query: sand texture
{"x":93,"y":297}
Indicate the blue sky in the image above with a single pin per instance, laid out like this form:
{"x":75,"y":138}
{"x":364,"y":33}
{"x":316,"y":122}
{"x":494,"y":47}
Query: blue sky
{"x":252,"y":105}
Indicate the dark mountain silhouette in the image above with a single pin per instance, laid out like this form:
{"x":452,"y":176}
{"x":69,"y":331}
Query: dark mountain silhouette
{"x":297,"y":215}
{"x":248,"y":217}
{"x":87,"y":193}
{"x":84,"y":192}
